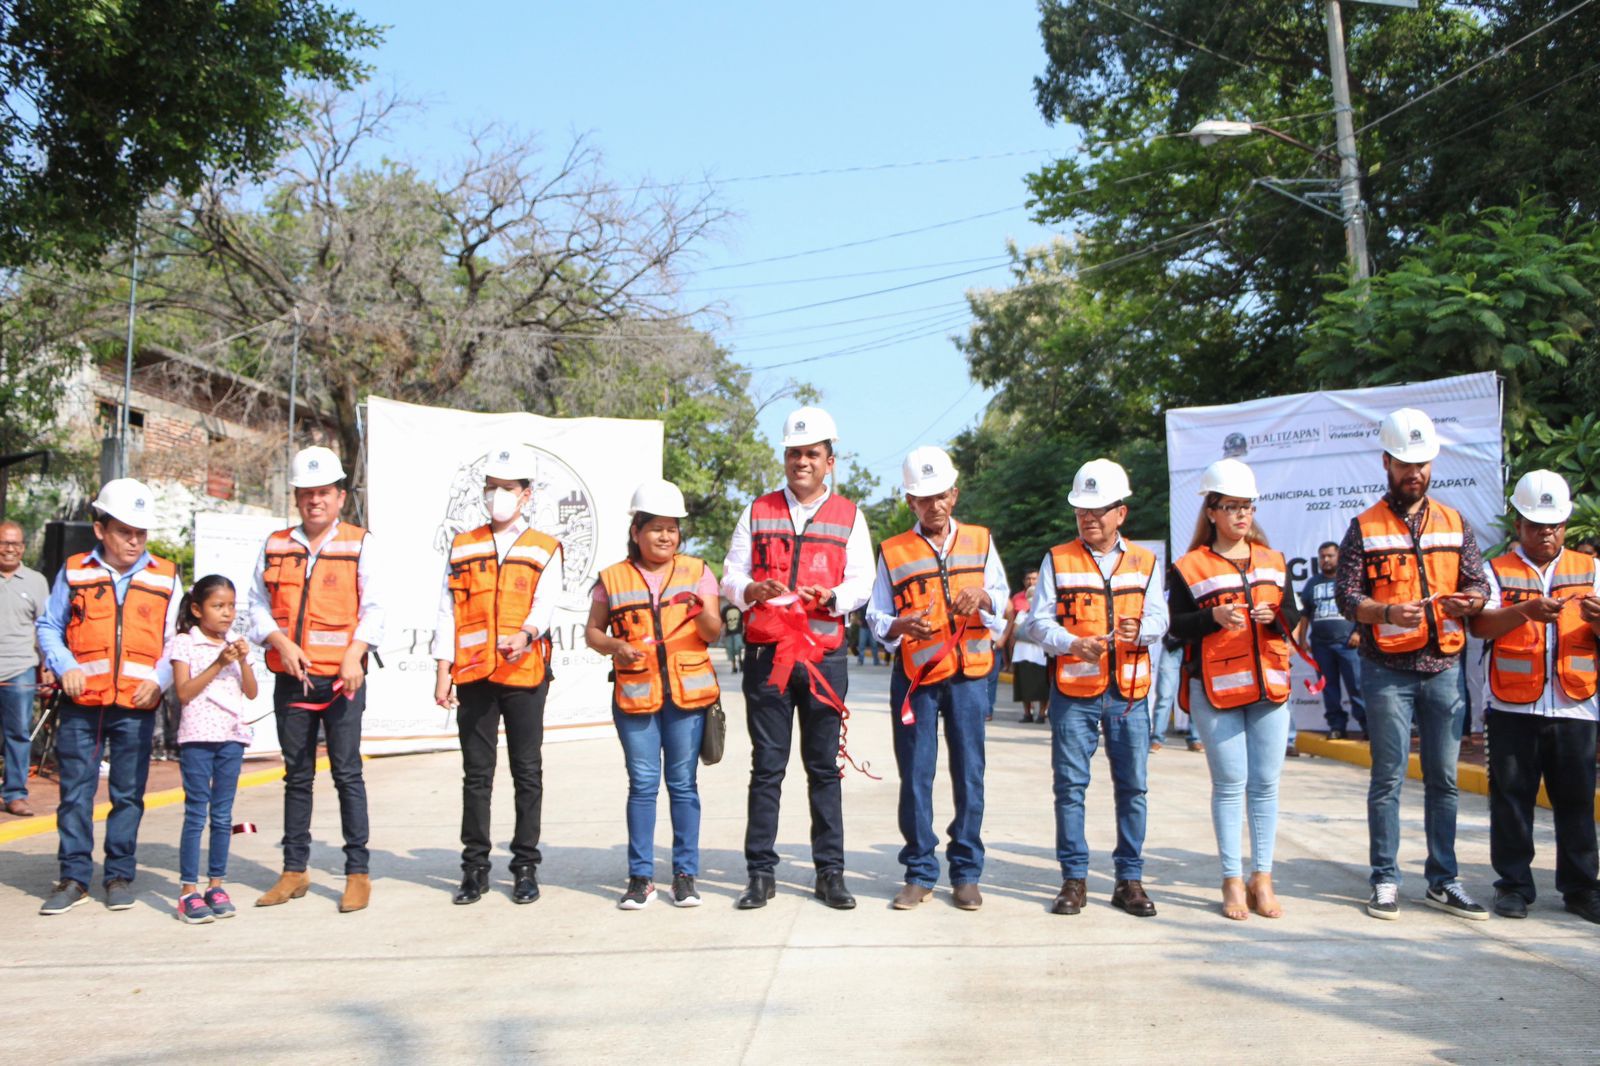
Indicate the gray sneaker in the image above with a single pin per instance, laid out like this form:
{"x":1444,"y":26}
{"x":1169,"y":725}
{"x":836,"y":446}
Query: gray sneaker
{"x":119,"y":895}
{"x":65,"y":896}
{"x":1385,"y":901}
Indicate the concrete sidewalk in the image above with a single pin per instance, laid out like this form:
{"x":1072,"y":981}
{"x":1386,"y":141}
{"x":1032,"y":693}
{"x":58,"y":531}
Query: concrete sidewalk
{"x":572,"y":979}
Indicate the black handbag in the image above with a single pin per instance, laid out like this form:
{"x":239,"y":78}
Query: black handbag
{"x":716,"y":735}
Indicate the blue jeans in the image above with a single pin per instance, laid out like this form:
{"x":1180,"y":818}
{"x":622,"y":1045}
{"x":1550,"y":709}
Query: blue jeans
{"x":1164,"y":693}
{"x":1245,"y":748}
{"x":16,"y":720}
{"x":1341,"y":669}
{"x":994,"y":686}
{"x":1075,"y":726}
{"x":962,"y":704}
{"x":1393,"y":697}
{"x":672,"y":738}
{"x":210,"y":779}
{"x":126,"y":737}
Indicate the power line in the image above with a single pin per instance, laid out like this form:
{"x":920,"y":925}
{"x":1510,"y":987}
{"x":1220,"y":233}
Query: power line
{"x":925,"y":430}
{"x":866,"y":295}
{"x":862,"y":168}
{"x":840,"y":277}
{"x":870,"y":240}
{"x":1168,"y":33}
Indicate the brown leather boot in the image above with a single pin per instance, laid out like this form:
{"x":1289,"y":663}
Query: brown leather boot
{"x":357,"y":893}
{"x":292,"y":884}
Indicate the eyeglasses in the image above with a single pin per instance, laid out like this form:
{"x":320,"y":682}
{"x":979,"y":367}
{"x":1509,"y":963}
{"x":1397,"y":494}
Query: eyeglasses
{"x":1237,"y":508}
{"x":1096,"y":512}
{"x":11,"y":544}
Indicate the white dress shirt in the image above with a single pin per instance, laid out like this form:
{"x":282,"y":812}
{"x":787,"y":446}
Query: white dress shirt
{"x":880,"y":609}
{"x":545,"y":596}
{"x":1043,"y":629}
{"x":848,"y":595}
{"x":1553,"y":702}
{"x":369,"y":624}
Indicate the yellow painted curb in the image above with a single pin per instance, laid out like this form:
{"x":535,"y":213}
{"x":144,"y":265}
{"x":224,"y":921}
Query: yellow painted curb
{"x":1469,"y":777}
{"x":29,"y":827}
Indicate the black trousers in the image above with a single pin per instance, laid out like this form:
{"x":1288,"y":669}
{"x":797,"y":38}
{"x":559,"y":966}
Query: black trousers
{"x":1523,"y":749}
{"x":484,"y":705}
{"x":340,"y":725}
{"x":771,"y":715}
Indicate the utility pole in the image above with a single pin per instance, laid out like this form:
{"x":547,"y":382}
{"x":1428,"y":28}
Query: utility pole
{"x":294,"y":384}
{"x":1355,"y":219}
{"x":127,"y":361}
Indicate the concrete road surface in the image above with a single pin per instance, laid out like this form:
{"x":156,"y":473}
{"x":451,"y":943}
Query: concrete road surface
{"x":572,"y":979}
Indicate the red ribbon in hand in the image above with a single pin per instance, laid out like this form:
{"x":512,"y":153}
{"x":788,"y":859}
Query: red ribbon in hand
{"x":948,"y":645}
{"x":1313,"y":685}
{"x":338,"y":694}
{"x":799,"y":646}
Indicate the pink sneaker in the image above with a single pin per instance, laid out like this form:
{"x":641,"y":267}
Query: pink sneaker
{"x":192,"y":910}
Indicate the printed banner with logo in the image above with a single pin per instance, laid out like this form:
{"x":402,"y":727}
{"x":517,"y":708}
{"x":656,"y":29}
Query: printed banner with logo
{"x":1318,"y":464}
{"x":425,"y":485}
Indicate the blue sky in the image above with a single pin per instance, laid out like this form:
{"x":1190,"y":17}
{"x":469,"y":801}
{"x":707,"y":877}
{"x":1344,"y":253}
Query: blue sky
{"x":730,"y":90}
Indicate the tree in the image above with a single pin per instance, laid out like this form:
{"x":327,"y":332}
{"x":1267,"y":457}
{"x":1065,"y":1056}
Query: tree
{"x":107,"y":103}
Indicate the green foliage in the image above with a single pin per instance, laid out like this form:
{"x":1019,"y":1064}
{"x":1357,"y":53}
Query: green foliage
{"x":181,"y":555}
{"x":1573,"y":451}
{"x":1512,"y":290}
{"x":109,"y":102}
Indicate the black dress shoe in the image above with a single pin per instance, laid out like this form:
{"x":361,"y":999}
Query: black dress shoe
{"x":830,"y":890}
{"x":526,"y":890}
{"x":1510,"y":904}
{"x":474,"y":883}
{"x":1586,"y":906}
{"x":761,"y":888}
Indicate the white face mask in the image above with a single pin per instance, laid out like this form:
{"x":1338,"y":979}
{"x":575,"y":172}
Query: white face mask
{"x":502,"y":504}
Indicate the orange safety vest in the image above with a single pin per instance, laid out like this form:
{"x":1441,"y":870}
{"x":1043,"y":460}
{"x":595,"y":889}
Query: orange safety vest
{"x":493,"y":598}
{"x":666,"y":632}
{"x":922,"y":579}
{"x":319,"y":615}
{"x":1517,"y":667}
{"x":117,"y":645}
{"x":1088,"y":604}
{"x":1237,"y":666}
{"x":1401,"y":568}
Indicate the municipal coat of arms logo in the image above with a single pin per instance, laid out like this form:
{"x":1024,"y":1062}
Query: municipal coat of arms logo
{"x":562,"y":506}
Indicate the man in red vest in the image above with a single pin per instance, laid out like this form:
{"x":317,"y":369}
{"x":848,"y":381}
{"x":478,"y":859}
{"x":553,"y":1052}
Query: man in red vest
{"x":313,"y":606}
{"x":501,"y":585}
{"x":804,"y":543}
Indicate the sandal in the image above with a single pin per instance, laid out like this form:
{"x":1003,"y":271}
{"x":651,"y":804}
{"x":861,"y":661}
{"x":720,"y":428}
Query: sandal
{"x":1234,"y":899}
{"x":1261,"y":897}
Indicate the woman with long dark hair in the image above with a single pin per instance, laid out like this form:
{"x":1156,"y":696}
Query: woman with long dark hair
{"x":1231,"y":601}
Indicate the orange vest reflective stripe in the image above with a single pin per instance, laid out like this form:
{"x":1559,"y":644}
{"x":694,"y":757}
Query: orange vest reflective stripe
{"x":117,"y":646}
{"x":921,"y":579}
{"x":666,"y":633}
{"x":1237,"y":666}
{"x":1088,"y":605}
{"x":1401,"y":568}
{"x":1518,"y":667}
{"x":317,"y":605}
{"x":492,"y":599}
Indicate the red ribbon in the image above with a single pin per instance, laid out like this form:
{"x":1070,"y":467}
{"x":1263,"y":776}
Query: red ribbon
{"x":907,"y":715}
{"x":243,"y":827}
{"x":1313,"y":685}
{"x":798,"y":645}
{"x":338,"y":694}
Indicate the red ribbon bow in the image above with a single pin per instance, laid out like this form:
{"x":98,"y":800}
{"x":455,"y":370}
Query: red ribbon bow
{"x":799,"y":646}
{"x":1313,"y":685}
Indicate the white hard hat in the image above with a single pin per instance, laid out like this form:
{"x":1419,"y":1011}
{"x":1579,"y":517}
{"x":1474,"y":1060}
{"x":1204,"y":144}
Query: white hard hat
{"x":927,"y":471}
{"x":1542,"y":496}
{"x":1229,"y":477}
{"x":658,"y":497}
{"x":808,"y":425}
{"x":1409,"y":436}
{"x":1097,"y":483}
{"x":129,"y":501}
{"x":313,"y":467}
{"x":513,"y":462}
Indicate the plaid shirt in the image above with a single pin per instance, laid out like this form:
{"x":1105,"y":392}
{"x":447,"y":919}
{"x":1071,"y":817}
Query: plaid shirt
{"x":1353,"y":588}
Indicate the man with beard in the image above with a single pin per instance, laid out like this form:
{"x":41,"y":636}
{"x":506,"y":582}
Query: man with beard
{"x":1409,"y":574}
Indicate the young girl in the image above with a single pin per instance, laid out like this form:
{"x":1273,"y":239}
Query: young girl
{"x":213,"y":679}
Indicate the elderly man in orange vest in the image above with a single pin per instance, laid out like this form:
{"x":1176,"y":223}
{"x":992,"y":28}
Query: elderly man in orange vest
{"x":1541,"y":621}
{"x":1099,"y":605}
{"x":104,"y":633}
{"x":939,"y":587}
{"x":804,"y":542}
{"x":314,"y":606}
{"x":501,"y":585}
{"x":1410,"y":574}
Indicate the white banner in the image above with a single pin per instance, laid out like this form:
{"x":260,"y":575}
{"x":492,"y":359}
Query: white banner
{"x":1318,"y":464}
{"x":229,"y":544}
{"x":425,"y":484}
